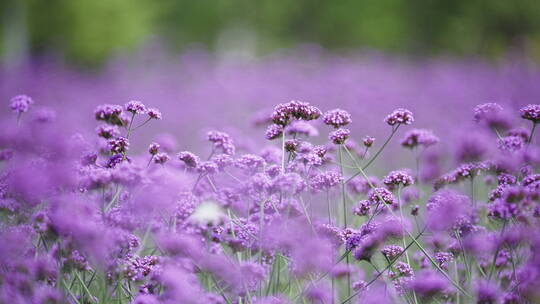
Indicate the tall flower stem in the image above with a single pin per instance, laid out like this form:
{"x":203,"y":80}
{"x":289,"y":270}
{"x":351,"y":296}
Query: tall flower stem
{"x":403,"y":239}
{"x":394,"y":130}
{"x":344,"y":203}
{"x":433,"y":262}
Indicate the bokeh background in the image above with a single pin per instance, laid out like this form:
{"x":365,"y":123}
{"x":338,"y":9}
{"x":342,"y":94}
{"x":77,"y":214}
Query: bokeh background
{"x":219,"y":64}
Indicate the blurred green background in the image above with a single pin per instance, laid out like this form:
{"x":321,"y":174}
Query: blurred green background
{"x":88,"y":32}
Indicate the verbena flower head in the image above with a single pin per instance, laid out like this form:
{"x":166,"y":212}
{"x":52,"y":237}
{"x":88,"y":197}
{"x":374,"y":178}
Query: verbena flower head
{"x":381,"y":195}
{"x":135,"y":107}
{"x":510,"y":143}
{"x":492,"y":114}
{"x":119,"y":145}
{"x":531,"y":112}
{"x":398,"y":178}
{"x":368,"y":141}
{"x":325,"y":180}
{"x":284,"y":112}
{"x":153,"y":148}
{"x":429,"y":283}
{"x":154,"y":113}
{"x":300,"y":127}
{"x":191,"y":160}
{"x":273,"y":131}
{"x":391,"y":251}
{"x":399,"y":116}
{"x":20,"y":103}
{"x":222,"y":141}
{"x":339,"y":136}
{"x":109,"y":113}
{"x":107,"y":131}
{"x":362,"y":208}
{"x":337,"y":118}
{"x":419,"y":137}
{"x":161,"y":158}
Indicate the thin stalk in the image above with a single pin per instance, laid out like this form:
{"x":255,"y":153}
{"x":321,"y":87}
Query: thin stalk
{"x":394,"y":130}
{"x":344,"y":202}
{"x":433,"y":262}
{"x":403,"y":239}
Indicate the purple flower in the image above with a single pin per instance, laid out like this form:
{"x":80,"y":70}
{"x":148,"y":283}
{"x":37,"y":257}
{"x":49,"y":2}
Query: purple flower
{"x":391,"y":251}
{"x":368,"y":141}
{"x":208,"y":167}
{"x":325,"y":180}
{"x":118,"y":145}
{"x":107,"y":131}
{"x":154,"y":113}
{"x":399,"y":116}
{"x":191,"y":160}
{"x":284,"y":112}
{"x":109,"y":113}
{"x":492,"y":115}
{"x":339,"y":136}
{"x":135,"y":107}
{"x":221,"y":141}
{"x":531,"y":112}
{"x":510,"y":143}
{"x":362,"y":208}
{"x":429,"y":283}
{"x":300,"y":127}
{"x":398,"y":178}
{"x":250,"y":162}
{"x":153,"y":148}
{"x":161,"y":158}
{"x":337,"y":118}
{"x":381,"y":195}
{"x":274,"y":131}
{"x":20,"y":103}
{"x":419,"y":137}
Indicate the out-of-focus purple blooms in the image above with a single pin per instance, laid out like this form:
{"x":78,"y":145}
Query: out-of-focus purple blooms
{"x":153,"y":148}
{"x":319,"y":294}
{"x":145,"y":299}
{"x":360,"y":185}
{"x":208,"y":167}
{"x":114,"y":160}
{"x":135,"y":107}
{"x":471,"y":148}
{"x":325,"y":180}
{"x":419,"y":137}
{"x":107,"y":131}
{"x":531,"y":112}
{"x":191,"y":160}
{"x":221,"y":141}
{"x":486,"y":293}
{"x":398,"y":178}
{"x":511,"y":143}
{"x":463,"y":172}
{"x":381,"y":195}
{"x":20,"y":103}
{"x":428,"y":283}
{"x":368,"y":141}
{"x":109,"y":113}
{"x":520,"y":132}
{"x":274,"y":131}
{"x":44,"y":115}
{"x":154,"y":113}
{"x":299,"y":127}
{"x":337,"y":118}
{"x":6,"y":154}
{"x":250,"y":163}
{"x":222,"y":161}
{"x":161,"y":158}
{"x":493,"y":115}
{"x":399,"y":116}
{"x":445,"y":209}
{"x":339,"y":136}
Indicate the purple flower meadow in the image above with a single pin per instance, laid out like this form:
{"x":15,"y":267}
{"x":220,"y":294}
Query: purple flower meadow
{"x":104,"y":212}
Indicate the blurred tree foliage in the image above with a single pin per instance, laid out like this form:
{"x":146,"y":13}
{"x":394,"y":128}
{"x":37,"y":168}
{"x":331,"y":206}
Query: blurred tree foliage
{"x":89,"y":31}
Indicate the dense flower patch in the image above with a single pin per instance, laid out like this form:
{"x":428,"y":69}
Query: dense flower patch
{"x":304,"y":218}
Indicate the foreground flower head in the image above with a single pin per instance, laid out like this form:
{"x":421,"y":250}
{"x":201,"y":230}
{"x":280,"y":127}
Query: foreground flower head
{"x":20,"y":103}
{"x":531,"y":112}
{"x":399,"y":116}
{"x":337,"y":118}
